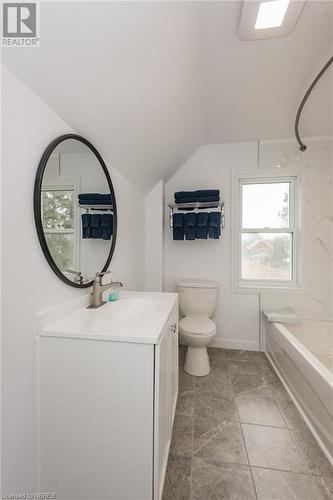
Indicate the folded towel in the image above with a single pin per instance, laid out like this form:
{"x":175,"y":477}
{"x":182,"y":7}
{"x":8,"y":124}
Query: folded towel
{"x":202,"y":229}
{"x":190,"y":223}
{"x":201,"y":193}
{"x":200,"y":199}
{"x":86,"y":226}
{"x":91,"y":196}
{"x":203,"y":219}
{"x":95,"y":199}
{"x":106,"y":226}
{"x":202,"y":233}
{"x":96,"y":230}
{"x":286,"y":316}
{"x":178,"y":226}
{"x":214,"y":233}
{"x":214,"y":220}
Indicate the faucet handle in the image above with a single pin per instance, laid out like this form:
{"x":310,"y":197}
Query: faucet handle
{"x":99,"y":276}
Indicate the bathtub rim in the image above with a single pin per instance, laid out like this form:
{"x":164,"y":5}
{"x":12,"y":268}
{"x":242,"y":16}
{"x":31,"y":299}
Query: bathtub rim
{"x":316,"y":364}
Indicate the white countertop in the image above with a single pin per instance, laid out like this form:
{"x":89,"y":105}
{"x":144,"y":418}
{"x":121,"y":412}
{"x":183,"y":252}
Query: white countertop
{"x":136,"y":317}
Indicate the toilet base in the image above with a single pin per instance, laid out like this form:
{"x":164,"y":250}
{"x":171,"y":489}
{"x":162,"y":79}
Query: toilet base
{"x":197,"y":361}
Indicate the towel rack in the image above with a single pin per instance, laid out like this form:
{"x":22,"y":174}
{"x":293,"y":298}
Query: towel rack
{"x":196,"y":205}
{"x":96,"y":207}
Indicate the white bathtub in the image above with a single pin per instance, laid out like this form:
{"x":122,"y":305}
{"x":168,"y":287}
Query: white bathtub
{"x":303,"y":358}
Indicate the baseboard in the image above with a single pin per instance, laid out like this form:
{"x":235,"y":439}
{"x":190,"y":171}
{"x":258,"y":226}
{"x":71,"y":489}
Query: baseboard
{"x":244,"y":345}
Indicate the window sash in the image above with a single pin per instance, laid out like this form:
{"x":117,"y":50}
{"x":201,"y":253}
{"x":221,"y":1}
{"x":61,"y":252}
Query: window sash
{"x":291,"y":229}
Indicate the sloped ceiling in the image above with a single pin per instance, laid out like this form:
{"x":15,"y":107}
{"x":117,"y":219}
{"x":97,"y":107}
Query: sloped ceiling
{"x":150,"y":82}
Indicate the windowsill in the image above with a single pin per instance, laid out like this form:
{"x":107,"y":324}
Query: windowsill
{"x":257,"y":287}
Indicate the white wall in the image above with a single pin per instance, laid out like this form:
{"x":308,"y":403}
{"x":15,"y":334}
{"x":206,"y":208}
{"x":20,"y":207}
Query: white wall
{"x":28,"y":284}
{"x":237,"y":315}
{"x":154,"y":250}
{"x":315,"y":299}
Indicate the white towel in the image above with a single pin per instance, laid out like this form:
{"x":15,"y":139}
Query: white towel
{"x":286,"y":316}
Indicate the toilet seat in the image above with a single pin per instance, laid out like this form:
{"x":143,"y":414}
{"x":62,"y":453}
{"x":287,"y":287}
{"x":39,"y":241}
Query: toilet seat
{"x":197,"y":325}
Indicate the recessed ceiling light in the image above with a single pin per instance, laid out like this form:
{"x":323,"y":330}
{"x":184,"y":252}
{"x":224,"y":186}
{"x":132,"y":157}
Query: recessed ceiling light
{"x":262,"y":19}
{"x":271,"y":14}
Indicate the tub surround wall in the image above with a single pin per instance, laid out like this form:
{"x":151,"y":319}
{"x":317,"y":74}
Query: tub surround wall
{"x":315,"y":299}
{"x":237,"y":314}
{"x":28,"y":283}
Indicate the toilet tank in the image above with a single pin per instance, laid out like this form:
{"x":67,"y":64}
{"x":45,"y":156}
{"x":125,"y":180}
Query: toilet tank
{"x":197,"y":297}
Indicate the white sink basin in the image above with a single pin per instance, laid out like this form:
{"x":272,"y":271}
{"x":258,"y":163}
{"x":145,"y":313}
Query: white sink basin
{"x":135,"y":317}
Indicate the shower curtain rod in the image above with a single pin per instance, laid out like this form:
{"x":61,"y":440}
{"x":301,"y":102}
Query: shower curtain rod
{"x":302,"y":146}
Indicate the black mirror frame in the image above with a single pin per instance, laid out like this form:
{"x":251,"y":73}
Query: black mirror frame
{"x":37,"y":206}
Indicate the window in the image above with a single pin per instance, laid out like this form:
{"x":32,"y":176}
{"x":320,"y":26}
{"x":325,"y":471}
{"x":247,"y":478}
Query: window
{"x":58,"y":216}
{"x":267,"y":239}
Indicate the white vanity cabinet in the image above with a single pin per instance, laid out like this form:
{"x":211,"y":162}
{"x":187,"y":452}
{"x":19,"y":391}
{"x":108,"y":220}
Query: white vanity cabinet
{"x":106,"y":404}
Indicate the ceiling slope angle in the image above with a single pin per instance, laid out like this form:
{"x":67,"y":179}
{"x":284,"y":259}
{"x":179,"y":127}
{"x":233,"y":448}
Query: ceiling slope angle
{"x":150,"y":82}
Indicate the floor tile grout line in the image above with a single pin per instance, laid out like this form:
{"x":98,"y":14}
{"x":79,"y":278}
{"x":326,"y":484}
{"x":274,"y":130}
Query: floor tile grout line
{"x":265,"y":425}
{"x":287,"y":471}
{"x":301,"y":451}
{"x":245,"y":447}
{"x":191,"y":471}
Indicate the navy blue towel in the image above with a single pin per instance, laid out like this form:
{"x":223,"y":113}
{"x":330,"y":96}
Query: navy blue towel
{"x":106,"y":226}
{"x":96,"y":230}
{"x":199,"y":194}
{"x":204,"y":199}
{"x":202,"y":229}
{"x":86,"y":226}
{"x":214,"y":221}
{"x":178,"y":226}
{"x":95,"y":199}
{"x":190,"y":223}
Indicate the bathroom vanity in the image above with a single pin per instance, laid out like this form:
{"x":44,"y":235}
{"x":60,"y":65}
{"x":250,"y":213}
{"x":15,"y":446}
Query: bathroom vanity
{"x":108,"y":384}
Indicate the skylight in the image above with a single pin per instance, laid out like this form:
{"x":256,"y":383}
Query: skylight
{"x":271,"y":14}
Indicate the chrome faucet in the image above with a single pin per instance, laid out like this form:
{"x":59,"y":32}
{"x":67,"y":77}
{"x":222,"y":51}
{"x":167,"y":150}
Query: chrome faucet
{"x":98,"y":289}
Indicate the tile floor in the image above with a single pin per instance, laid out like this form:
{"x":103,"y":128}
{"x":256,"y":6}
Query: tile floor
{"x":237,"y":435}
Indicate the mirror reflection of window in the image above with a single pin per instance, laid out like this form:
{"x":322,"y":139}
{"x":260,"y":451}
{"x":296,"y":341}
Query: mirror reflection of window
{"x":58,"y":216}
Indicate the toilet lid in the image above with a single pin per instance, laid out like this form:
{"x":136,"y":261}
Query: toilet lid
{"x":197,"y":325}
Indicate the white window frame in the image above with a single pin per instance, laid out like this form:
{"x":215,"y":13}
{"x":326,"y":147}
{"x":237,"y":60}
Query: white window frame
{"x":240,"y":284}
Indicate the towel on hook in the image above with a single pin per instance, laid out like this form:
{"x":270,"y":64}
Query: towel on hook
{"x":96,"y":230}
{"x":214,"y":222}
{"x":86,"y":226}
{"x":178,"y":226}
{"x":106,"y":226}
{"x":202,"y":229}
{"x":190,"y":223}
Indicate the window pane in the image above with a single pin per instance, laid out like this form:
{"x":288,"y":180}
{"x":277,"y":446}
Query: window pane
{"x":58,"y":209}
{"x":266,"y":256}
{"x":265,"y":205}
{"x":61,"y":248}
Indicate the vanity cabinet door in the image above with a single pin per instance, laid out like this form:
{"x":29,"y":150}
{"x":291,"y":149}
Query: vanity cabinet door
{"x":166,"y":390}
{"x":162,"y":412}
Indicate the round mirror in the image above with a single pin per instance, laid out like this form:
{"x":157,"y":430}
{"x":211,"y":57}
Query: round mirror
{"x":75,"y":210}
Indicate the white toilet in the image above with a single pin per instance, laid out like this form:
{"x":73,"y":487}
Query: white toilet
{"x":197,"y":302}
